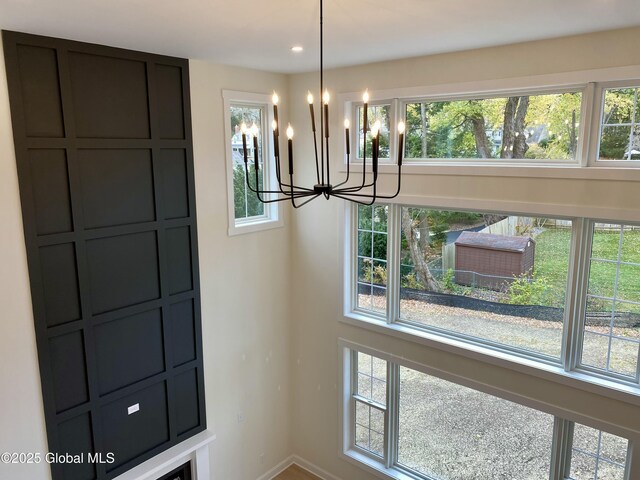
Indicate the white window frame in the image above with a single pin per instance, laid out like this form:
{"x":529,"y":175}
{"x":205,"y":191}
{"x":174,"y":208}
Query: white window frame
{"x":273,"y":214}
{"x":567,"y":370}
{"x":583,"y":89}
{"x":387,"y":468}
{"x":596,"y":125}
{"x":355,"y":134}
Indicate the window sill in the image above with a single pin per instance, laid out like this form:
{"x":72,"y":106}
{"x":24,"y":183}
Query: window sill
{"x":255,"y":226}
{"x":561,"y":171}
{"x":374,"y":467}
{"x":555,"y":373}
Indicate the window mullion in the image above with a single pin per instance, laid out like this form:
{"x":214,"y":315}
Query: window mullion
{"x":393,"y":262}
{"x":577,"y":293}
{"x":392,"y":414}
{"x":632,"y":468}
{"x":562,"y":445}
{"x":584,"y":151}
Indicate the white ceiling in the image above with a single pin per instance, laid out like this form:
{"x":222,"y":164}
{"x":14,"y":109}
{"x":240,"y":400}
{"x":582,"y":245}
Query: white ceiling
{"x":259,"y":33}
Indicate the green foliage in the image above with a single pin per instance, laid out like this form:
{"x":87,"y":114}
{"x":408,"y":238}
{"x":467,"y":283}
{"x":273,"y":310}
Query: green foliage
{"x":376,"y":275}
{"x":438,"y":235}
{"x":448,"y":280}
{"x":246,"y":203}
{"x":528,"y":289}
{"x":445,"y":129}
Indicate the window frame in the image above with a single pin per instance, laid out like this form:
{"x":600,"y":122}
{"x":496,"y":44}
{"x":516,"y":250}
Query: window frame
{"x":596,"y":125}
{"x":273,"y":213}
{"x":583,"y":89}
{"x":355,"y":134}
{"x":568,"y":370}
{"x":389,"y":468}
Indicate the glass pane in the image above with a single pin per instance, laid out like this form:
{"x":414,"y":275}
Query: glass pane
{"x":532,"y":127}
{"x":619,"y":106}
{"x":614,"y":143}
{"x":612,"y":321}
{"x":375,"y":113}
{"x":372,"y":255}
{"x":494,"y":277}
{"x":449,"y":432}
{"x":369,"y":428}
{"x":246,"y":203}
{"x":597,"y":455}
{"x":372,"y":378}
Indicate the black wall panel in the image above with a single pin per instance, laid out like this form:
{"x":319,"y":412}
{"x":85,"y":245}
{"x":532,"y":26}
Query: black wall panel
{"x":105,"y":163}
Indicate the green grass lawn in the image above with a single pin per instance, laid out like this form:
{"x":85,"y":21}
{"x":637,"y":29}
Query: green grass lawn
{"x":552,"y":256}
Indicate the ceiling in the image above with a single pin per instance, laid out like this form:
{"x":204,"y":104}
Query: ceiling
{"x":259,"y":33}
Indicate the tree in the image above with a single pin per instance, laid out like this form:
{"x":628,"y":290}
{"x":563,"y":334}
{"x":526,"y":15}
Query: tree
{"x":420,"y":265}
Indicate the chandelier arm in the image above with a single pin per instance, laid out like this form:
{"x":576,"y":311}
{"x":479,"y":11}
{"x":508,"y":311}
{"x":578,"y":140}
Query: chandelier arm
{"x":306,"y":201}
{"x":386,"y":197}
{"x":359,"y":202}
{"x":347,"y":177}
{"x":293,"y":198}
{"x":257,"y":191}
{"x":281,"y":185}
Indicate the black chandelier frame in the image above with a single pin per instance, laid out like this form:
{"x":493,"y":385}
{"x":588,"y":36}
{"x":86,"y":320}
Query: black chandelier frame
{"x":363,"y":193}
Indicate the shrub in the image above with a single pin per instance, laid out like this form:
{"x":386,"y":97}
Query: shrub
{"x":528,"y":289}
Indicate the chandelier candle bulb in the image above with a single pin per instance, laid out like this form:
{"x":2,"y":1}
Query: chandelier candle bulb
{"x":290,"y":148}
{"x":275,"y":99}
{"x":243,"y":129}
{"x":401,"y":127}
{"x":346,"y":134}
{"x":311,"y":111}
{"x":276,"y":147}
{"x":365,"y":99}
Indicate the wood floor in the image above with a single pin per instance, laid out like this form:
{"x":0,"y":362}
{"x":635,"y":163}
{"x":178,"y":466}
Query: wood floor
{"x":294,"y":472}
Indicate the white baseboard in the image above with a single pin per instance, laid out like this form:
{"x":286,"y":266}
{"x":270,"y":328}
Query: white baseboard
{"x":279,"y":468}
{"x":302,"y":463}
{"x":316,"y":470}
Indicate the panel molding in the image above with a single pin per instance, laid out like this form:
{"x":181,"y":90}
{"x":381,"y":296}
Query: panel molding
{"x":101,"y":236}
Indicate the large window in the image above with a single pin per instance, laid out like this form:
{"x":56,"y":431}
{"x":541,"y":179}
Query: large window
{"x":506,"y":283}
{"x":535,"y":127}
{"x":249,"y":114}
{"x":407,"y":423}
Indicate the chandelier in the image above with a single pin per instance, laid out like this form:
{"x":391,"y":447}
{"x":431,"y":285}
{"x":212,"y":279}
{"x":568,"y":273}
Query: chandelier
{"x":364,"y":191}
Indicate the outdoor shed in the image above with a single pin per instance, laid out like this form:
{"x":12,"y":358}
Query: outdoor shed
{"x":489,"y":261}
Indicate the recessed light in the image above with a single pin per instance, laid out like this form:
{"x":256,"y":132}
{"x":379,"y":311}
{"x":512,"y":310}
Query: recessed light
{"x":297,"y":48}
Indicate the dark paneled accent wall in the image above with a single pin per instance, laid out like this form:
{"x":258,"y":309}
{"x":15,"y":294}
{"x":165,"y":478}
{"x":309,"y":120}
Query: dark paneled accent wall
{"x":105,"y":163}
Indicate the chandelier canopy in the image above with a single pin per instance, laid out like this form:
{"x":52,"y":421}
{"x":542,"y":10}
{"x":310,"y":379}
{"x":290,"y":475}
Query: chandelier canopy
{"x":363,"y":192}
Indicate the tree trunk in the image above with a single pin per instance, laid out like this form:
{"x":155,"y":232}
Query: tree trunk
{"x":520,"y":146}
{"x":480,"y":134}
{"x":423,"y":121}
{"x":514,"y":143}
{"x":423,"y":274}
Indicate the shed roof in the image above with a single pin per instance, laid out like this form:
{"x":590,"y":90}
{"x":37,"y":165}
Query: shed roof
{"x":492,"y":241}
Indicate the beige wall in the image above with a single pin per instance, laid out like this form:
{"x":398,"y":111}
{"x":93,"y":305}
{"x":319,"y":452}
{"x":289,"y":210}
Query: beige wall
{"x":245,"y":295}
{"x":246,"y":343}
{"x":317,"y":267}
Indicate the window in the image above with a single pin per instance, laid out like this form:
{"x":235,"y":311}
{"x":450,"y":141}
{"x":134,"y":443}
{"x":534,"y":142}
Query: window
{"x":246,"y":212}
{"x":620,"y":125}
{"x":407,"y":423}
{"x":534,"y":127}
{"x":612,"y":317}
{"x":497,"y":277}
{"x":512,"y":287}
